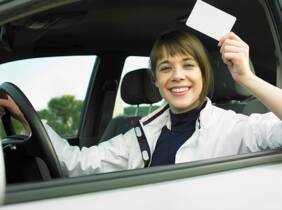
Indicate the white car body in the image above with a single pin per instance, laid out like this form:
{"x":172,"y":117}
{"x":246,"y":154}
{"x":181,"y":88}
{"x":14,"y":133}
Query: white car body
{"x":248,"y":188}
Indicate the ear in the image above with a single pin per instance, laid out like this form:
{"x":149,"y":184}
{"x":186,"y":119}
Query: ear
{"x":156,"y":83}
{"x":155,"y":80}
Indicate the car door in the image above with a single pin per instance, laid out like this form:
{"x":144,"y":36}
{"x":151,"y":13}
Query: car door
{"x":250,"y":181}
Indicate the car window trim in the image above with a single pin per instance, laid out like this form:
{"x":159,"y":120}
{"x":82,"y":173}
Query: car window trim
{"x":109,"y":181}
{"x":272,"y":22}
{"x":87,"y":99}
{"x":14,"y":10}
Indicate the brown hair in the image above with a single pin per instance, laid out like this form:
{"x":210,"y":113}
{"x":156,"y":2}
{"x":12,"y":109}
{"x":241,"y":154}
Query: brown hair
{"x":183,"y":43}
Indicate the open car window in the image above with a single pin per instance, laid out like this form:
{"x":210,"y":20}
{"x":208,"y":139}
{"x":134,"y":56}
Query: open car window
{"x":56,"y":87}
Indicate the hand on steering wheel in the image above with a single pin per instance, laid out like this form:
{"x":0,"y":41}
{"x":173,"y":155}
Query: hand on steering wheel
{"x":39,"y":142}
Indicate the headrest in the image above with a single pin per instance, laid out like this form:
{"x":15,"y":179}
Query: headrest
{"x":138,"y":87}
{"x":225,"y":88}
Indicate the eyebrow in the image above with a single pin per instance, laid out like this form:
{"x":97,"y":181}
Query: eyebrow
{"x":188,"y":59}
{"x":163,"y":62}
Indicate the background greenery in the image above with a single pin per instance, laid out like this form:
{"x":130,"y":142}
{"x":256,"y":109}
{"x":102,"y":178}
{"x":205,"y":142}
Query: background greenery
{"x":63,"y":115}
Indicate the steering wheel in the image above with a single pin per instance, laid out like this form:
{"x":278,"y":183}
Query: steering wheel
{"x":38,"y":143}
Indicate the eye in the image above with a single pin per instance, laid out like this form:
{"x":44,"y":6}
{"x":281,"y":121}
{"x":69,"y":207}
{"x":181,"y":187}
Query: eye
{"x":164,"y":68}
{"x":188,"y":65}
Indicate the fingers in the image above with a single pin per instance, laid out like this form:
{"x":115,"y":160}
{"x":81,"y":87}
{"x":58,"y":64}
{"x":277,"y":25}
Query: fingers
{"x":235,"y":54}
{"x":233,"y":40}
{"x":233,"y":49}
{"x":11,"y":107}
{"x":234,"y":43}
{"x":229,"y":36}
{"x":230,"y":57}
{"x":6,"y":103}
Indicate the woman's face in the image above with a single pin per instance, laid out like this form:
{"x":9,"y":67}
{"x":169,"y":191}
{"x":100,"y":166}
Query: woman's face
{"x":180,"y":82}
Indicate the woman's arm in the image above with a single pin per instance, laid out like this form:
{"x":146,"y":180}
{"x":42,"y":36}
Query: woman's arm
{"x":235,"y":54}
{"x":111,"y":155}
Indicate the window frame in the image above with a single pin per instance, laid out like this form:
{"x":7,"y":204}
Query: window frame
{"x":91,"y":78}
{"x":117,"y":180}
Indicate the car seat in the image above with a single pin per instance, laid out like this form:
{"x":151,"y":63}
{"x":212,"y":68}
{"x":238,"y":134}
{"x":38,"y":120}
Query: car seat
{"x":228,"y":94}
{"x":138,"y":88}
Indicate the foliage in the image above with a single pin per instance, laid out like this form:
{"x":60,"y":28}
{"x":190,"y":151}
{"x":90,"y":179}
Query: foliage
{"x":141,"y":111}
{"x":63,"y":114}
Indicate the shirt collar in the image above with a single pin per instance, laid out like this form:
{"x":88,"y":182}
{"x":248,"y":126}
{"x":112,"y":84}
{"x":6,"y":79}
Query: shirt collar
{"x":205,"y":115}
{"x":185,"y":119}
{"x":161,"y":116}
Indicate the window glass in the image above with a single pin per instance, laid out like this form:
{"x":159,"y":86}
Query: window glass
{"x":123,"y":109}
{"x":56,"y":87}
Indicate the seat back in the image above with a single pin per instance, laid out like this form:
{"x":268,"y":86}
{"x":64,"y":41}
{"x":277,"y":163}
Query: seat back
{"x":137,"y":88}
{"x":228,"y":94}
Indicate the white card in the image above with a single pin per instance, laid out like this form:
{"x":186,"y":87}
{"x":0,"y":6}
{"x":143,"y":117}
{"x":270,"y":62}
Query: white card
{"x":210,"y":20}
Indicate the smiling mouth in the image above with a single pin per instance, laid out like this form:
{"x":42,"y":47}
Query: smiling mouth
{"x":179,"y":90}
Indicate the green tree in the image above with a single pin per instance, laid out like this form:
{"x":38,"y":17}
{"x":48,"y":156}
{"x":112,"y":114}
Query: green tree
{"x":63,"y":114}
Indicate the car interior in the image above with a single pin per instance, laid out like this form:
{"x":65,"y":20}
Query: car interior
{"x":114,"y":32}
{"x":137,"y":87}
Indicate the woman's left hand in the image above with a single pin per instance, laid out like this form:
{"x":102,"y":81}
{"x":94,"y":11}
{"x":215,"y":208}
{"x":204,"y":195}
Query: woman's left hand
{"x":235,"y":54}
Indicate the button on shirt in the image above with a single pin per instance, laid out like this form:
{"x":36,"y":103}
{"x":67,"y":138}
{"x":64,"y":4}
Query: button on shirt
{"x":182,"y":128}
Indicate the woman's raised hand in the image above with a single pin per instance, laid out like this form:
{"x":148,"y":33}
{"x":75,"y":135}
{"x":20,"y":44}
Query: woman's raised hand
{"x":235,"y":54}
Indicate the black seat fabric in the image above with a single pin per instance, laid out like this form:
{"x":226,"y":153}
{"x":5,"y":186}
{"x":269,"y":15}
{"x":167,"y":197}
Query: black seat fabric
{"x":137,"y":88}
{"x":228,"y":94}
{"x":118,"y":125}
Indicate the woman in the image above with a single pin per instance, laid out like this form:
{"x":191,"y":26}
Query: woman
{"x":189,"y":127}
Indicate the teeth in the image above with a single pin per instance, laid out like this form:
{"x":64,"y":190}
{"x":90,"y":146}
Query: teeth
{"x":178,"y":90}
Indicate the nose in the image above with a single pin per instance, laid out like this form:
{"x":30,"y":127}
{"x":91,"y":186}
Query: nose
{"x":178,"y":74}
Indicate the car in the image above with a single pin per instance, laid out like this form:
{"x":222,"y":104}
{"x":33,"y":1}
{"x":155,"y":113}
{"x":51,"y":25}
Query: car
{"x":65,"y":62}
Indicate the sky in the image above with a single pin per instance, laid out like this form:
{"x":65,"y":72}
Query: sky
{"x":44,"y":78}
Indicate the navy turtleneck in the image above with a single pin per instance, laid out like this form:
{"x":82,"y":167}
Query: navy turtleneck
{"x":182,"y":128}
